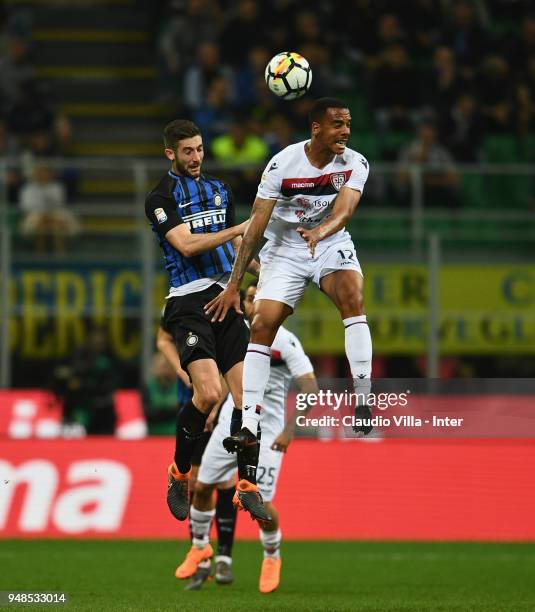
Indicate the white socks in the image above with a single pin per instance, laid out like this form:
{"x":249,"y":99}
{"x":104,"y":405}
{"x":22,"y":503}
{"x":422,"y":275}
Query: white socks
{"x":271,"y":541}
{"x":255,"y":378}
{"x":358,"y":343}
{"x":200,"y":522}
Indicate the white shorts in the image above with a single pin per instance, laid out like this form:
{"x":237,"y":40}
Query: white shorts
{"x":217,"y":465}
{"x":285,"y":272}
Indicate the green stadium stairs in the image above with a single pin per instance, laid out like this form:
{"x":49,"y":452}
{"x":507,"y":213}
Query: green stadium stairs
{"x":98,"y":60}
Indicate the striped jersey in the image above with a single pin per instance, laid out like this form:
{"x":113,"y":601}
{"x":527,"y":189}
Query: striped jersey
{"x":304,"y":193}
{"x":205,"y":205}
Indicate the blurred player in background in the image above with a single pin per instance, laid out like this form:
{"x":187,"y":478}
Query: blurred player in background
{"x":193,"y":216}
{"x":308,"y":193}
{"x":288,"y":361}
{"x":225,"y":512}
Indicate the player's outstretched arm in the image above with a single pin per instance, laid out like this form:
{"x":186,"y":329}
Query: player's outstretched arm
{"x":189,"y":244}
{"x":344,"y":206}
{"x":254,"y":266}
{"x":166,"y":346}
{"x":307,"y":383}
{"x":229,"y":298}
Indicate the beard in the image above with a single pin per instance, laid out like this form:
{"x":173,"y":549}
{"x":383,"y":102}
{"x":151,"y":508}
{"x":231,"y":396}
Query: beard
{"x":183,"y":170}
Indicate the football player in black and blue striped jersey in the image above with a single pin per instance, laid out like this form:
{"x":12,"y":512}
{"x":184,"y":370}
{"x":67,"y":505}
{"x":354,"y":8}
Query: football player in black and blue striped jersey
{"x":193,"y":217}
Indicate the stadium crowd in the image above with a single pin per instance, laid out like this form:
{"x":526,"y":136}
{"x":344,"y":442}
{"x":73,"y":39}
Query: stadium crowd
{"x":468,"y":67}
{"x":31,"y":131}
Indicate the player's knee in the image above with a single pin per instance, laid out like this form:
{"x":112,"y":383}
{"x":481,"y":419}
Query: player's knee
{"x":352,"y":301}
{"x":203,"y":491}
{"x":263,"y":331}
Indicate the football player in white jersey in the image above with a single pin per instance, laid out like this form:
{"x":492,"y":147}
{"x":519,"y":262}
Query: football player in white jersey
{"x":308,"y":193}
{"x":288,"y":361}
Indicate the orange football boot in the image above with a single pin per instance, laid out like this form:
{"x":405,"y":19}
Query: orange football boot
{"x":178,"y":492}
{"x":248,"y":498}
{"x":270,"y":575}
{"x":195,"y":555}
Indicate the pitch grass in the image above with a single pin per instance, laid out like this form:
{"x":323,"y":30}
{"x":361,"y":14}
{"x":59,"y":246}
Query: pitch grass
{"x":379,"y":576}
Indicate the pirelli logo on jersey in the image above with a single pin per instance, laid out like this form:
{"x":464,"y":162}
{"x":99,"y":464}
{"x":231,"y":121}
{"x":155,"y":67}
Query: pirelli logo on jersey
{"x":205,"y":218}
{"x":326,"y":184}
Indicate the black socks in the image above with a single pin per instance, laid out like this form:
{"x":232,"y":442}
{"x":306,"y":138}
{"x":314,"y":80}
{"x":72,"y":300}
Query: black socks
{"x":225,"y":516}
{"x":189,"y":427}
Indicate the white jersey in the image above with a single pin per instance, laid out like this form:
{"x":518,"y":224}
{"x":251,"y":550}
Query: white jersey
{"x":305,"y":193}
{"x":288,"y":361}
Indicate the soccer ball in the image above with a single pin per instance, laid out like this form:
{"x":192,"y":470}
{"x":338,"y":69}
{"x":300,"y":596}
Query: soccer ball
{"x":288,"y":75}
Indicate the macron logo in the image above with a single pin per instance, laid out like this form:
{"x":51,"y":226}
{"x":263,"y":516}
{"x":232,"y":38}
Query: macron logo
{"x":301,"y":185}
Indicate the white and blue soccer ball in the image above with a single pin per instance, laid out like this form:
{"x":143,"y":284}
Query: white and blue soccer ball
{"x":288,"y":75}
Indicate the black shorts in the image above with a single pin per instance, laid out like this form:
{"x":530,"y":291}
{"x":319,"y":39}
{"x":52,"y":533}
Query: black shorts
{"x":196,"y":337}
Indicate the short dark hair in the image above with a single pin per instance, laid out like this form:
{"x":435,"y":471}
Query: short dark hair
{"x":318,"y":108}
{"x":178,"y":130}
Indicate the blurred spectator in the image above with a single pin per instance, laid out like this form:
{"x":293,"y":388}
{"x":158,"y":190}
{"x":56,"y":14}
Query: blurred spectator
{"x":495,"y":90}
{"x":245,"y":30}
{"x":241,"y":146}
{"x":440,"y":179}
{"x":160,"y":397}
{"x":323,"y":75}
{"x":521,"y":47}
{"x":462,"y":129}
{"x":86,"y":384}
{"x":466,"y":37}
{"x":280,"y":134}
{"x":199,"y":77}
{"x":42,"y":200}
{"x":389,"y":33}
{"x":265,"y":107}
{"x":422,"y":20}
{"x":445,"y":83}
{"x":248,"y":74}
{"x":8,"y":151}
{"x":186,"y":24}
{"x":16,"y":71}
{"x":37,"y":126}
{"x":358,"y":29}
{"x":395,"y":90}
{"x":307,"y":31}
{"x":214,"y":116}
{"x":525,"y":99}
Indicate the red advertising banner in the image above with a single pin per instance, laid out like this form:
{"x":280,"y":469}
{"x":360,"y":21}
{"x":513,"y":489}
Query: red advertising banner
{"x":352,"y":489}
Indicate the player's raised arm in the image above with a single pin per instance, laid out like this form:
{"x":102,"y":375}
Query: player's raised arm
{"x":163,"y":214}
{"x":229,"y":298}
{"x":189,"y":244}
{"x":345,"y":204}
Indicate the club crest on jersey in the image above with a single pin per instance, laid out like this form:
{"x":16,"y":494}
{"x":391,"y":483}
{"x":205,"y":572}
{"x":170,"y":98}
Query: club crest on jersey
{"x":160,"y":215}
{"x":217,"y":199}
{"x":338,"y":180}
{"x":192,"y":339}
